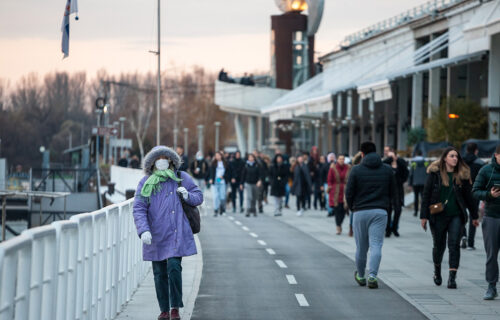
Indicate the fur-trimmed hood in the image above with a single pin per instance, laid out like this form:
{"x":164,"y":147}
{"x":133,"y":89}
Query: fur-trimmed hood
{"x":158,"y":151}
{"x":463,"y":174}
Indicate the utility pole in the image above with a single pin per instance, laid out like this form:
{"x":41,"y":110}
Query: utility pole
{"x":217,"y":126}
{"x":158,"y":88}
{"x":186,"y":141}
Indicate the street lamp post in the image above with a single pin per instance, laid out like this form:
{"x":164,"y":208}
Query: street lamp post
{"x":106,"y":122}
{"x":122,"y":122}
{"x":217,"y":126}
{"x":176,"y":132}
{"x":115,"y":126}
{"x":186,"y":141}
{"x":200,"y":138}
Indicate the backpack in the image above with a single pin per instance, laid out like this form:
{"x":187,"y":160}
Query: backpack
{"x":192,"y":213}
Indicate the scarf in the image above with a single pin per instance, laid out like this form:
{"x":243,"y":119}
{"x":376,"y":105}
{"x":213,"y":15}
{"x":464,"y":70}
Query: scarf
{"x":152,"y":184}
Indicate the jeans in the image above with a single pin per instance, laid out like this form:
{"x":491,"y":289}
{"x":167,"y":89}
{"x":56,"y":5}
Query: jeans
{"x":369,"y":227}
{"x":219,"y":194}
{"x":301,"y":202}
{"x":168,"y":283}
{"x":327,"y":197}
{"x":278,"y":205}
{"x":318,"y":197}
{"x":251,"y":195}
{"x":472,"y":229}
{"x":443,"y":227}
{"x":491,"y":237}
{"x":235,"y":188}
{"x":287,"y":194}
{"x":339,"y":211}
{"x":393,"y":224}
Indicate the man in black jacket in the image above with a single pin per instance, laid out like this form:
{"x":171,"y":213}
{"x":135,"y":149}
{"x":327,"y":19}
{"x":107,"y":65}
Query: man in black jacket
{"x":236,"y":166}
{"x":370,"y":192}
{"x":475,"y":164}
{"x":251,"y":180}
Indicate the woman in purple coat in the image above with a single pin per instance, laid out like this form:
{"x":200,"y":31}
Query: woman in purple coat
{"x":162,"y":225}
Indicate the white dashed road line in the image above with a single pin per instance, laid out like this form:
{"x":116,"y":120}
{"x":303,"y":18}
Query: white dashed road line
{"x":302,"y":300}
{"x":254,"y":235}
{"x":245,"y":228}
{"x":270,"y":251}
{"x":291,"y":279}
{"x":281,"y":264}
{"x":238,"y":223}
{"x":262,"y":242}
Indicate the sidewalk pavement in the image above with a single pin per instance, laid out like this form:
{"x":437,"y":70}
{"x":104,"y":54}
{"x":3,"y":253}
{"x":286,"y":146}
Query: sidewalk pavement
{"x":407,"y":266}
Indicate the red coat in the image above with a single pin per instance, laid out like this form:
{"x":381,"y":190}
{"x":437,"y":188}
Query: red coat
{"x":337,"y":179}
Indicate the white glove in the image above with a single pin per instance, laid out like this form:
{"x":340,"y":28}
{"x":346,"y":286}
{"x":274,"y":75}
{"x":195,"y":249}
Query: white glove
{"x":184,"y":192}
{"x":146,"y":237}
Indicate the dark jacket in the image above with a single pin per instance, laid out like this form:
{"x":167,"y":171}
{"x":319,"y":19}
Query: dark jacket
{"x":213,"y":169}
{"x":418,"y":172}
{"x":463,"y":193}
{"x":203,"y":172}
{"x":401,"y":175}
{"x":251,"y":173}
{"x":236,"y":168}
{"x":185,"y":163}
{"x":486,"y":178}
{"x":475,"y":164}
{"x":324,"y":169}
{"x":302,"y":183}
{"x":371,"y":185}
{"x":279,"y":179}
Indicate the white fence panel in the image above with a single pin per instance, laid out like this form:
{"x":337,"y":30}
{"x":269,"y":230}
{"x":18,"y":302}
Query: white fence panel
{"x":84,"y":268}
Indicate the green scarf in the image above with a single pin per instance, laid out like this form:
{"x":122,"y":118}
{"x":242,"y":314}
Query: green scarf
{"x":152,"y":184}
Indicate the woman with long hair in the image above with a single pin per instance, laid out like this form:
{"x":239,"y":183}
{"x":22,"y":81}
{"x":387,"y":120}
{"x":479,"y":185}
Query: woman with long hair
{"x":219,"y":174}
{"x":337,"y":179}
{"x":446,"y":198}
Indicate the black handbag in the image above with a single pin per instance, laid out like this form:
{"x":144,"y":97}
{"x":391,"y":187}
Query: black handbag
{"x":192,"y":213}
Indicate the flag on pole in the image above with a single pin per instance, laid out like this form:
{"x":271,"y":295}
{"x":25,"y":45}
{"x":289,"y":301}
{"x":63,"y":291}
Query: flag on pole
{"x":71,"y":7}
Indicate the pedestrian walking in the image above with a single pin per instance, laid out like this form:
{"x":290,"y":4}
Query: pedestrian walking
{"x":337,"y":179}
{"x":446,"y":198}
{"x":162,"y":226}
{"x":288,"y":188}
{"x":219,"y":174}
{"x":318,"y":181}
{"x":184,"y":158}
{"x":418,"y":175}
{"x":302,"y":184}
{"x":330,"y":159}
{"x":199,"y":170}
{"x":400,"y":168}
{"x":264,"y":173}
{"x":279,"y":179}
{"x":251,"y":181}
{"x":236,"y":168}
{"x":370,"y":192}
{"x":475,"y":164}
{"x":487,"y":188}
{"x":266,"y":181}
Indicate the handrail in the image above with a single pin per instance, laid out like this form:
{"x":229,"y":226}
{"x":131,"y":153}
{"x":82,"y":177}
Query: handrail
{"x":83,"y":268}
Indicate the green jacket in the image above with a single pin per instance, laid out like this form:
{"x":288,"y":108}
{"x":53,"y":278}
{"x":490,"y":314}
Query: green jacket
{"x":486,"y":178}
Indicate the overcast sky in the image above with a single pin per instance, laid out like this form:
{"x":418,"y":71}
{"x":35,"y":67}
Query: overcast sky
{"x":117,"y":34}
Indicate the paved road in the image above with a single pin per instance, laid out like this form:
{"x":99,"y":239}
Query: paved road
{"x":246,"y":264}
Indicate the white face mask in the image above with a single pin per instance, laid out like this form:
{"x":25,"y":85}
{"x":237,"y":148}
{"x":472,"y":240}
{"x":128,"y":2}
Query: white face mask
{"x":161,"y":164}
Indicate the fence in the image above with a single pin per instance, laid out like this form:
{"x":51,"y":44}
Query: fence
{"x":83,"y":268}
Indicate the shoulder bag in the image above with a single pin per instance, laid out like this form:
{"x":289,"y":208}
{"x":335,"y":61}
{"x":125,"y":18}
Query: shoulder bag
{"x":192,"y":213}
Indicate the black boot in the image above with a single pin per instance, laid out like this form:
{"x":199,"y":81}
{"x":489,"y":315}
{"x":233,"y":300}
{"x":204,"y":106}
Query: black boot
{"x":452,"y":284}
{"x":216,"y":212}
{"x":437,"y":275}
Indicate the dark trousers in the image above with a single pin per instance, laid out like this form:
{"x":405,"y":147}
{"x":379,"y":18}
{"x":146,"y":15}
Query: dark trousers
{"x":491,"y":237}
{"x":339,"y":212}
{"x":442,"y":228}
{"x":235,"y":188}
{"x":417,"y":192}
{"x":168,"y":283}
{"x":301,"y":202}
{"x":318,"y":197}
{"x":472,"y":229}
{"x":393,"y":223}
{"x":261,"y":192}
{"x":308,"y":201}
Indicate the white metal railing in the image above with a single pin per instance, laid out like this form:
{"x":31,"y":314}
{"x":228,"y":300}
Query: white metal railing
{"x":83,"y":268}
{"x":428,"y":8}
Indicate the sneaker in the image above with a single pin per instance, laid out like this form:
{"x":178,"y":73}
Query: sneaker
{"x":174,"y":314}
{"x":360,"y":280}
{"x":299,"y":213}
{"x":372,"y":283}
{"x":471,"y":248}
{"x":464,"y":243}
{"x":164,"y":315}
{"x":491,"y":293}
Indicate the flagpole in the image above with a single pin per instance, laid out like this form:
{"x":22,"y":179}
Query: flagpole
{"x":158,"y":91}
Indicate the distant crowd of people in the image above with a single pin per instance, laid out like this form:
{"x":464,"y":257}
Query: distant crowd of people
{"x":246,"y":80}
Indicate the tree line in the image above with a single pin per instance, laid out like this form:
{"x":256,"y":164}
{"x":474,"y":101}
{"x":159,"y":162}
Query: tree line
{"x":46,"y":111}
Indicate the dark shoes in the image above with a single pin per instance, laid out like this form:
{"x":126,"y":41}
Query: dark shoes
{"x":396,"y":233}
{"x":388,"y":234}
{"x":438,"y":280}
{"x":360,"y":280}
{"x":491,"y":293}
{"x":242,"y":210}
{"x":216,"y":212}
{"x":372,"y":283}
{"x":464,"y":243}
{"x":452,"y":284}
{"x":174,"y":314}
{"x":164,"y":315}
